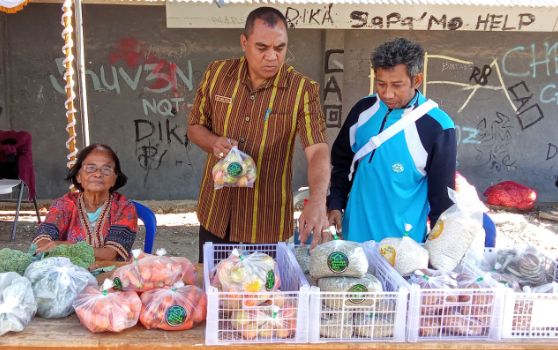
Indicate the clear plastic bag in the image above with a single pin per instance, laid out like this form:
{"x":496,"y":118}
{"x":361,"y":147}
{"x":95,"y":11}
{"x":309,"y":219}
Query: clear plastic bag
{"x":353,"y":288}
{"x":17,"y":303}
{"x":338,"y":258}
{"x":103,"y":309}
{"x":457,"y":232}
{"x":148,"y":272}
{"x":404,"y":254}
{"x":256,"y":272}
{"x":56,"y":283}
{"x":265,"y":323}
{"x":237,"y":169}
{"x":526,"y":265}
{"x":173,"y":309}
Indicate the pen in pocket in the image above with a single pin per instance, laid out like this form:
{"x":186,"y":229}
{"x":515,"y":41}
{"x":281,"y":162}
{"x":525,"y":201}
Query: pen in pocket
{"x":267,"y":113}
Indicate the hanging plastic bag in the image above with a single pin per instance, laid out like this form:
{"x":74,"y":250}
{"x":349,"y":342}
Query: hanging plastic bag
{"x":56,"y":283}
{"x":148,"y":272}
{"x":457,"y":232}
{"x":237,"y":169}
{"x":17,"y":303}
{"x":510,"y":194}
{"x":173,"y":309}
{"x":103,"y":309}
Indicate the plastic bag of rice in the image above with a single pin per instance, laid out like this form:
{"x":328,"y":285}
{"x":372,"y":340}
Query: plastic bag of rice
{"x":457,"y":232}
{"x":374,"y":326}
{"x":336,"y":328}
{"x":404,"y":254}
{"x":302,"y":255}
{"x":338,"y":258}
{"x":353,"y":288}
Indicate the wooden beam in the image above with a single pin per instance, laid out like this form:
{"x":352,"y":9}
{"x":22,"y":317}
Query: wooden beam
{"x":107,"y":2}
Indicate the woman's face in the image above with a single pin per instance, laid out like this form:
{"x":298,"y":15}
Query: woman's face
{"x":97,"y":172}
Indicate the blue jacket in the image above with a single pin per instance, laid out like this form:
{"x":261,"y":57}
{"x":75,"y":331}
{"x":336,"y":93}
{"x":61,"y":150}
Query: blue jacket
{"x":404,"y":181}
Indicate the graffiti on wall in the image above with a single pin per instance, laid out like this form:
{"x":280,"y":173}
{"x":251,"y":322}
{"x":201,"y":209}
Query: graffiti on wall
{"x":333,"y":95}
{"x":511,"y":76}
{"x":132,"y":66}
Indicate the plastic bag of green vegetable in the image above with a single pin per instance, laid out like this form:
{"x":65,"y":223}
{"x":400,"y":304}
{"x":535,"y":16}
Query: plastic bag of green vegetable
{"x":80,"y":253}
{"x":17,"y":303}
{"x":56,"y":283}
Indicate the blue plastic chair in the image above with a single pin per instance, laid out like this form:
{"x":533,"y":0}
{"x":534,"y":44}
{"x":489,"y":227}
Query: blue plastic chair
{"x":148,"y":218}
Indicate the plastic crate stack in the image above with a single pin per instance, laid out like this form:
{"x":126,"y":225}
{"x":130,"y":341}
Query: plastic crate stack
{"x":361,"y":316}
{"x":530,"y":315}
{"x":250,"y":316}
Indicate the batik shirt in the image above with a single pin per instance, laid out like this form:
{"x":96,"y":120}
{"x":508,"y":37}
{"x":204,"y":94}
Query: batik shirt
{"x":115,"y":228}
{"x":265,"y":122}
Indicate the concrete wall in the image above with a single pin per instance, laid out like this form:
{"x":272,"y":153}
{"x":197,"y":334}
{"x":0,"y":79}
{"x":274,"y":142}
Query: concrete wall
{"x":141,"y":78}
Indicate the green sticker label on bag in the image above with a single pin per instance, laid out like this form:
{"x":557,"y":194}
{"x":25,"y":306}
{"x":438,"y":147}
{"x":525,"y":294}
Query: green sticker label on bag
{"x":117,"y":284}
{"x":270,"y":280}
{"x":337,"y":262}
{"x":234,"y":169}
{"x":175,"y":315}
{"x":355,"y":295}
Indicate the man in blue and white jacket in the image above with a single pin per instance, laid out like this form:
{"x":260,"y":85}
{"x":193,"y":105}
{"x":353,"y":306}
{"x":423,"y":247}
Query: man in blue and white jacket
{"x":405,"y":180}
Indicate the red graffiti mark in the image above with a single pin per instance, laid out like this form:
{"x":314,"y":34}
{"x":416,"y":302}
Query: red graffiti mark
{"x":134,"y":52}
{"x":129,"y":50}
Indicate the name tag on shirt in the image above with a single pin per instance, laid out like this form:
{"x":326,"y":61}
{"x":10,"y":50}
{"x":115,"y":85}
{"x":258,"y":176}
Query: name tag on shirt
{"x":223,"y":99}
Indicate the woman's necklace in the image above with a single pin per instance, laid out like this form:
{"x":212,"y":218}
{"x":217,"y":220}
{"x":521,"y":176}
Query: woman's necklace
{"x":93,"y":237}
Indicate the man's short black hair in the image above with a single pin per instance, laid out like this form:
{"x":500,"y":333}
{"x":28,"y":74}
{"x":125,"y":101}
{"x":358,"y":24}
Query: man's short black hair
{"x":399,"y":51}
{"x":269,"y":15}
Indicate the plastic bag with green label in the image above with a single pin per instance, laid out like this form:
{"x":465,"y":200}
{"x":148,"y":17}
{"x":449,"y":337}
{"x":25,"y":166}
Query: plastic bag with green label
{"x":104,"y":309}
{"x":237,"y":169}
{"x":256,"y":272}
{"x":173,"y":309}
{"x":338,"y":258}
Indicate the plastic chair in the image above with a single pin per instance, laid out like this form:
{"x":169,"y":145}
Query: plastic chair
{"x":6,"y":187}
{"x":148,"y":218}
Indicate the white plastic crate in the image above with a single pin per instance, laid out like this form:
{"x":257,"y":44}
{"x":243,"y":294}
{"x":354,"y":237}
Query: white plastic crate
{"x":292,"y":301}
{"x":455,"y":314}
{"x":530,"y":315}
{"x":361,"y":316}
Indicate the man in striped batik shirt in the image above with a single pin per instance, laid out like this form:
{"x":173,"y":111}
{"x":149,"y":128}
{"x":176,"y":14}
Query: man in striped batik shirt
{"x":259,"y":103}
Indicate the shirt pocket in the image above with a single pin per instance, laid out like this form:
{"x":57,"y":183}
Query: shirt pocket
{"x":280,"y":124}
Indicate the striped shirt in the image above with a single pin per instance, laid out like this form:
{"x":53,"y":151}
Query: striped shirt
{"x":264,"y":121}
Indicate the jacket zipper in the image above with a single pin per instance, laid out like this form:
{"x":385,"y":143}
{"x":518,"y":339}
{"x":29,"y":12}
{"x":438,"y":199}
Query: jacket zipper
{"x":381,"y":129}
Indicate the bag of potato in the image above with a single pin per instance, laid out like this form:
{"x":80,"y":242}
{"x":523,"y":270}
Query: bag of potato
{"x":433,"y":302}
{"x":457,"y":232}
{"x":237,"y":169}
{"x":404,"y":254}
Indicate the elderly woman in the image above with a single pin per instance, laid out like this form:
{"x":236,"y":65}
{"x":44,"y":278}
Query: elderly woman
{"x":97,"y":214}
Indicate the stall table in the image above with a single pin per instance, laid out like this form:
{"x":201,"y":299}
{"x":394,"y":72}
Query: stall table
{"x":67,"y":333}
